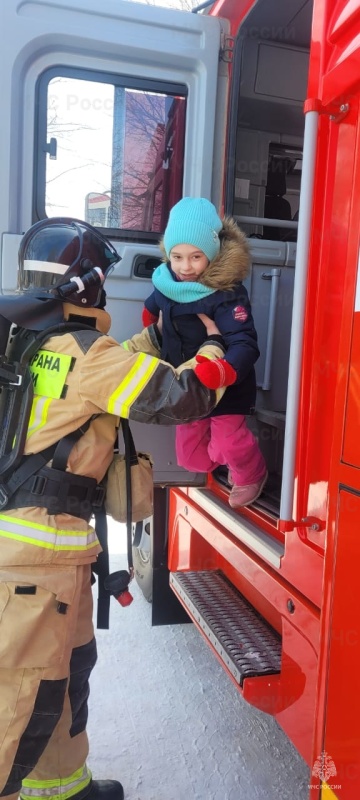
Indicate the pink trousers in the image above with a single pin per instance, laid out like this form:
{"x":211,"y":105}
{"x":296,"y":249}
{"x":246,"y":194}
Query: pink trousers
{"x":203,"y":445}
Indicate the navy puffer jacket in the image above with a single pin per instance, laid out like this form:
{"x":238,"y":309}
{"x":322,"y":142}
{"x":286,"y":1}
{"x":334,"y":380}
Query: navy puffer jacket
{"x":229,"y":306}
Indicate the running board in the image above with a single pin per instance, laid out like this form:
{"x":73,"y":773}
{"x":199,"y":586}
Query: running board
{"x":246,"y":643}
{"x":260,"y":542}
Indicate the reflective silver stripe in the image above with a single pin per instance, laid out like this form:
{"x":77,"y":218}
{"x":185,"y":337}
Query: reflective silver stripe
{"x":46,"y":266}
{"x":39,"y":412}
{"x":60,"y":787}
{"x":42,"y":536}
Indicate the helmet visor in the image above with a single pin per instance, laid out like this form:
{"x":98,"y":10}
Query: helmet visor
{"x":56,"y":250}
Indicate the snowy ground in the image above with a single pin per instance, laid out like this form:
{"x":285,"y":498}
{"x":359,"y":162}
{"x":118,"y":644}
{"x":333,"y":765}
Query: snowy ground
{"x":167,"y":722}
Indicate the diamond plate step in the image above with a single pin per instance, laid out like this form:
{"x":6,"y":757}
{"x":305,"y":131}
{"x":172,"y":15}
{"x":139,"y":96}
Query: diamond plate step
{"x":246,"y":643}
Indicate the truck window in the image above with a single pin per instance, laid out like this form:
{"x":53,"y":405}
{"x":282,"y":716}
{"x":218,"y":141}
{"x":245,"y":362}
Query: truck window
{"x":109,"y":150}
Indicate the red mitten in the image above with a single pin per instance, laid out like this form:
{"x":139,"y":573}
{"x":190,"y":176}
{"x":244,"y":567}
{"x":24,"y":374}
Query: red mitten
{"x":216,"y":373}
{"x":148,"y":318}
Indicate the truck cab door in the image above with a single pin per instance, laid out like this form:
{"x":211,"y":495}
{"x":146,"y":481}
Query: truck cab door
{"x":109,"y":115}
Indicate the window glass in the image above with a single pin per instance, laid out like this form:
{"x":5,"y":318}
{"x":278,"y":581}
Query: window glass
{"x":114,"y":153}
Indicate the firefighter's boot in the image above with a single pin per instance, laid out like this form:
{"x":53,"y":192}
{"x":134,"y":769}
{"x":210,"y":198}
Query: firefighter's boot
{"x":101,"y":790}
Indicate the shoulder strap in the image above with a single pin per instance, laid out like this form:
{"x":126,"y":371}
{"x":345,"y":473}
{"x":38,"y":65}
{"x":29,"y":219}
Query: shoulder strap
{"x":55,"y":330}
{"x":66,"y":444}
{"x":130,"y":459}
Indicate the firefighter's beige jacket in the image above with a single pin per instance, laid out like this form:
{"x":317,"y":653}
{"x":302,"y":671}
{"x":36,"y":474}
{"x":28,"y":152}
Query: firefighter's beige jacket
{"x":108,"y":380}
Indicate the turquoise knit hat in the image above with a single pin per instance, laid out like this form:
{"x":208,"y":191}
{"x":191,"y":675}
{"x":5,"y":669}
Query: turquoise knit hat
{"x":194,"y":220}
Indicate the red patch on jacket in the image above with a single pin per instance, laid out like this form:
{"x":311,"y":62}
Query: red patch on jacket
{"x":240,"y":313}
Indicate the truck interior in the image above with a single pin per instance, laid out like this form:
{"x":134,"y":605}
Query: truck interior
{"x":263,"y":187}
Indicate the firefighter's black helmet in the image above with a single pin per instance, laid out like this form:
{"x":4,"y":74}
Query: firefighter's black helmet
{"x":57,"y":250}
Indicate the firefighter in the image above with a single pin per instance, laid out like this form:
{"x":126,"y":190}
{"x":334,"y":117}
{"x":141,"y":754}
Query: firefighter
{"x":83,"y":381}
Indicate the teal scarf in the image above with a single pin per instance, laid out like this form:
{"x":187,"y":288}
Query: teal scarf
{"x":180,"y":291}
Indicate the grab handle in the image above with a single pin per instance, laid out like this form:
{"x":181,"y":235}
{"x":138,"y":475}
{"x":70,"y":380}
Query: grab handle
{"x":274,"y":277}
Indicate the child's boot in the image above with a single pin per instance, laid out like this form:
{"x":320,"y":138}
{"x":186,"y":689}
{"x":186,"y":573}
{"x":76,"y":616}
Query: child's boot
{"x":245,"y":495}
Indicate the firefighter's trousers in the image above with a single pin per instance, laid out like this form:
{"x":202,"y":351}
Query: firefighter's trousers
{"x":47,"y":651}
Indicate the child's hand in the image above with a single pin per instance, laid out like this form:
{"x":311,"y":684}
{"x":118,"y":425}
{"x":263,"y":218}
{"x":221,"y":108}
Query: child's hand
{"x":148,"y":318}
{"x":211,"y":328}
{"x":214,"y":374}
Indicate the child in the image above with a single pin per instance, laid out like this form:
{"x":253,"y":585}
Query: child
{"x":209,"y":258}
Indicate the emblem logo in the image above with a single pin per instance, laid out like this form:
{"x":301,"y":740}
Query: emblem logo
{"x":324,"y":767}
{"x":240,"y":313}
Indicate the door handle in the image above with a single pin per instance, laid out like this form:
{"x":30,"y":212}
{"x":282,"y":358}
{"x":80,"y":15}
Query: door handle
{"x":144,"y":266}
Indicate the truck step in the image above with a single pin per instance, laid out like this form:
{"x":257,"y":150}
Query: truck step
{"x":246,"y":643}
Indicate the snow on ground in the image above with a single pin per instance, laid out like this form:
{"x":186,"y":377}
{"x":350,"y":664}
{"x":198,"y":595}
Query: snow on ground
{"x":168,"y":723}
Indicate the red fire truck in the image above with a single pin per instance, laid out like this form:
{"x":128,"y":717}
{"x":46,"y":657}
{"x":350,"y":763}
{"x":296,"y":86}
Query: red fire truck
{"x":254,"y":104}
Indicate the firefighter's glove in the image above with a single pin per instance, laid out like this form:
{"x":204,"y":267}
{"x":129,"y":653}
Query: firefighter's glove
{"x":214,"y":374}
{"x":148,"y":318}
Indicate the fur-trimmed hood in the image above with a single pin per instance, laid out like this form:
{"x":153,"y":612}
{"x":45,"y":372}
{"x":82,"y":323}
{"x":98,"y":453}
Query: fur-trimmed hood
{"x":232,"y":263}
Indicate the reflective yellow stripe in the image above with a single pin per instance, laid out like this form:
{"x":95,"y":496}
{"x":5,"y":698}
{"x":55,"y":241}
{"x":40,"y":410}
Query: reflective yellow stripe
{"x":209,"y":354}
{"x":130,"y":388}
{"x":43,"y":536}
{"x":38,"y":416}
{"x":58,"y":789}
{"x":125,"y":345}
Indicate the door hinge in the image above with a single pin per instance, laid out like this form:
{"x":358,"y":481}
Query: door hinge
{"x":227,"y":48}
{"x":335,"y":111}
{"x":51,"y":148}
{"x":312,"y":523}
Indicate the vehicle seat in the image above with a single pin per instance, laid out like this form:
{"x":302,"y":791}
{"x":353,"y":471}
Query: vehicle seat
{"x":276,"y":207}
